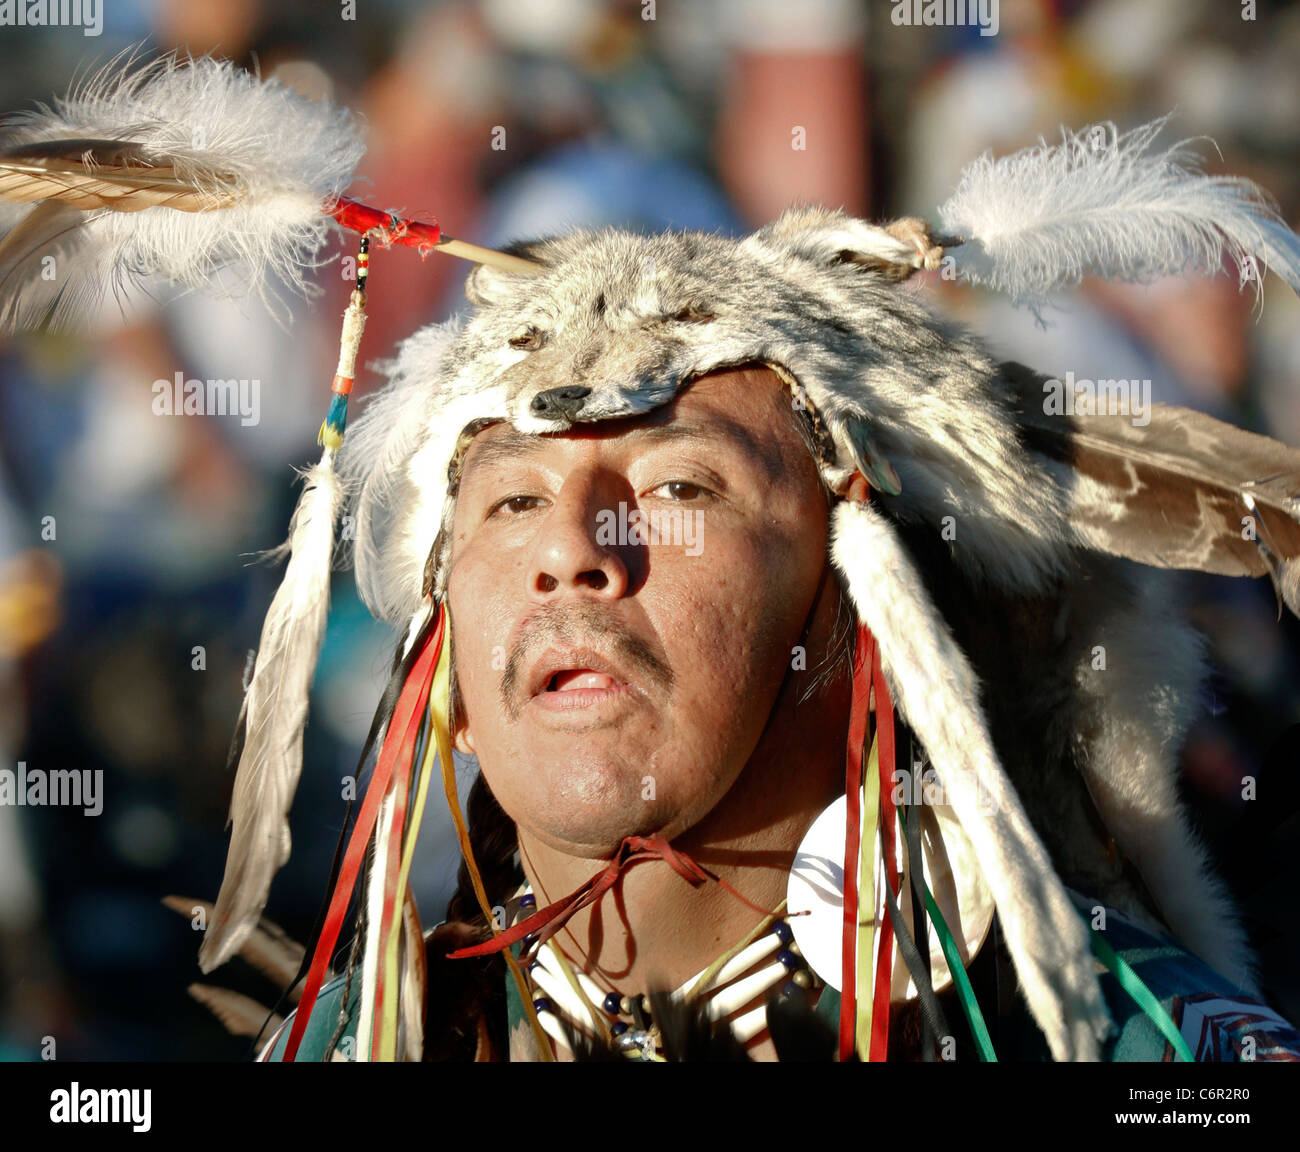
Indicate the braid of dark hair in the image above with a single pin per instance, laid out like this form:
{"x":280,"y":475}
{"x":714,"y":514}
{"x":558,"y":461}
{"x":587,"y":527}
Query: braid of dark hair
{"x":494,"y":840}
{"x":465,"y":1004}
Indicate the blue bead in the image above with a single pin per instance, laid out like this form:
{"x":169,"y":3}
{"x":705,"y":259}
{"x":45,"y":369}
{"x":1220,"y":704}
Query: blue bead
{"x":611,"y":1005}
{"x":617,"y":1028}
{"x":542,"y":1004}
{"x":529,"y":940}
{"x":782,"y":931}
{"x":529,"y":901}
{"x":789,"y":961}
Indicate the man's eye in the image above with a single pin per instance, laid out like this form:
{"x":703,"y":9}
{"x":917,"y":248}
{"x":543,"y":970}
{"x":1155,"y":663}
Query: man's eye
{"x":514,"y":504}
{"x":682,"y":490}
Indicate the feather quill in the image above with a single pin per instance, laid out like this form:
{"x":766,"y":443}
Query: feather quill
{"x":1110,"y":205}
{"x":245,"y":167}
{"x":275,"y":715}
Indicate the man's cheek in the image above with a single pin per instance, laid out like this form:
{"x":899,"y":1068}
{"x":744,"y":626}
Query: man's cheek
{"x":710,"y":662}
{"x":483,"y":678}
{"x":743,"y":653}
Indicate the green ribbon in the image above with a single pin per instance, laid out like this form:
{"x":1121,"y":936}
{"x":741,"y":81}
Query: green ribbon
{"x":965,"y":993}
{"x":1145,"y":999}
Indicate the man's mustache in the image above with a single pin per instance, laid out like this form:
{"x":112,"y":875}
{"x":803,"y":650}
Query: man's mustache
{"x":573,"y":625}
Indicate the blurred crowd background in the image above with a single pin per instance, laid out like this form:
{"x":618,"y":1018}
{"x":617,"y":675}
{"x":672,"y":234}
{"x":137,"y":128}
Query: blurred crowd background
{"x":127,"y":620}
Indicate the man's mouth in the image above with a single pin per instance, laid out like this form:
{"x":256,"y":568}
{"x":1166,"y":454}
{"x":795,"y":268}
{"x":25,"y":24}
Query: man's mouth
{"x":573,"y":679}
{"x":575,"y":670}
{"x":579,"y":678}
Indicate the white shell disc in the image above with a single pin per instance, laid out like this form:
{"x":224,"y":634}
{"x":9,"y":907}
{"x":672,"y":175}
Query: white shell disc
{"x":817,"y":886}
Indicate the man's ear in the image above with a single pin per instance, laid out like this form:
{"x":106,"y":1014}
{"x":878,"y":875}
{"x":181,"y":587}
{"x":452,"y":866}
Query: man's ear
{"x":463,"y":741}
{"x":831,"y":236}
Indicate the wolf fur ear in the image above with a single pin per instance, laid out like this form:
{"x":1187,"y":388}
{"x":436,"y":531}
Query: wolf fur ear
{"x":827,"y":236}
{"x":871,"y":461}
{"x":489,"y":284}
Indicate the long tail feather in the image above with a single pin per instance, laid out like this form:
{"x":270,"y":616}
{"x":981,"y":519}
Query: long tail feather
{"x":1100,"y":203}
{"x":276,"y":705}
{"x":414,"y":983}
{"x":1181,"y":490}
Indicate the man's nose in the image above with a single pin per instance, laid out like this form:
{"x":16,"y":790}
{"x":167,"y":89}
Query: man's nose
{"x":572,"y":551}
{"x":560,"y":403}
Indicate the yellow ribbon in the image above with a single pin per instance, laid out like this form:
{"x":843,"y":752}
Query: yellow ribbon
{"x":867,"y":926}
{"x":442,"y":730}
{"x":439,"y":694}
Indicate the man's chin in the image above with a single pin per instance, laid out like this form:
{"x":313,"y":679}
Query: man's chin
{"x":595,"y":832}
{"x":585,"y":808}
{"x":595,"y":842}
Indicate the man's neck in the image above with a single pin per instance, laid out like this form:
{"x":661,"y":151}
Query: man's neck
{"x":654,"y":929}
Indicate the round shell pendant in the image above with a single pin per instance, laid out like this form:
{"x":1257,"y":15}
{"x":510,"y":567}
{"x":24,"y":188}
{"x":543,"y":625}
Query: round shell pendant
{"x":816,"y":887}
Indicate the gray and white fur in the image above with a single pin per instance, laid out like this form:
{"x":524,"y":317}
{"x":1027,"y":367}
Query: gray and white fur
{"x":987,"y":630}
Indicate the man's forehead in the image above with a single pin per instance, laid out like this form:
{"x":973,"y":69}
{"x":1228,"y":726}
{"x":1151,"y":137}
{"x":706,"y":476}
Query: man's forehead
{"x":702,"y":419}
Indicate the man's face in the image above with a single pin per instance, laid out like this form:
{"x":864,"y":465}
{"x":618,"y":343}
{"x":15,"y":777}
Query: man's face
{"x":685,"y":640}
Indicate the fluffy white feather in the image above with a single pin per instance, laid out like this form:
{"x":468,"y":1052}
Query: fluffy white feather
{"x":273,"y":155}
{"x":1100,"y":203}
{"x":935,"y":687}
{"x":275,"y":713}
{"x":397,"y":504}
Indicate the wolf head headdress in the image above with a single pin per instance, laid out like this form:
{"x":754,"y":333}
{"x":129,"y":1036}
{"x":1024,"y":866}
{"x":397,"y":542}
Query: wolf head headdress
{"x":963,"y":496}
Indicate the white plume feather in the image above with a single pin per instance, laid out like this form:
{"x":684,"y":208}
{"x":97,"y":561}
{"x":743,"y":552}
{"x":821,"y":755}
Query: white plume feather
{"x":114,"y":153}
{"x":1104,"y":204}
{"x":376,"y":461}
{"x":275,"y":713}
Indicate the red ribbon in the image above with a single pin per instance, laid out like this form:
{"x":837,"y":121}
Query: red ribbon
{"x":888,"y":836}
{"x":549,"y":920}
{"x":398,"y":747}
{"x":867,"y":673}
